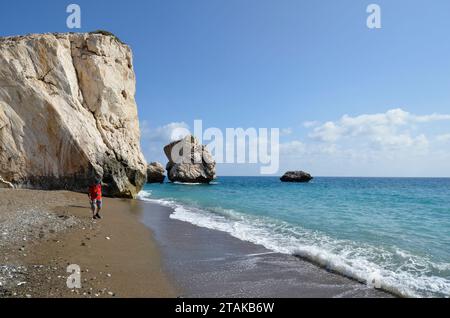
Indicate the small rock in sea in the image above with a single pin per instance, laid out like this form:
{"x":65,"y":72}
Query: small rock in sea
{"x":155,"y":173}
{"x":296,"y":176}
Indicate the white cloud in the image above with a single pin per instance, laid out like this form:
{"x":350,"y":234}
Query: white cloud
{"x":391,"y":129}
{"x":309,"y":124}
{"x":431,"y":118}
{"x":443,"y":138}
{"x":292,"y":148}
{"x":154,"y":139}
{"x":394,"y":143}
{"x":164,"y":134}
{"x":328,"y":132}
{"x":286,"y":131}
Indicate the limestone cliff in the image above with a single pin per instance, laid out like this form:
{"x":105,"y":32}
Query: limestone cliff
{"x":67,"y":113}
{"x":189,"y":161}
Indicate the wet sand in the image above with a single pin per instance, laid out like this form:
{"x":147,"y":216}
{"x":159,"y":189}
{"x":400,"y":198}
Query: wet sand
{"x":209,"y":263}
{"x":43,"y":232}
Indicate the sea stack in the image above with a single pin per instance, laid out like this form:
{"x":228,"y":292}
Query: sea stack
{"x":189,"y":161}
{"x":296,"y":176}
{"x":68,"y":113}
{"x":155,"y":173}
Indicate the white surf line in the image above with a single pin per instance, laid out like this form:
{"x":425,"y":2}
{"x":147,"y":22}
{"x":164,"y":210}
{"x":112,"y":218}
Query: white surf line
{"x":260,"y":254}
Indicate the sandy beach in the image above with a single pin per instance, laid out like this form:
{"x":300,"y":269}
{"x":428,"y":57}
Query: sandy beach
{"x":210,"y":263}
{"x":242,"y":150}
{"x":137,"y":250}
{"x":45,"y":231}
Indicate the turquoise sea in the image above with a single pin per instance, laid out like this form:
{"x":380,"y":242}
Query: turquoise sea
{"x":391,"y":233}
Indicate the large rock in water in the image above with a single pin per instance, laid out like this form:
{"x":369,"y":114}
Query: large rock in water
{"x":296,"y":176}
{"x":155,"y":173}
{"x":67,"y":113}
{"x":189,"y":162}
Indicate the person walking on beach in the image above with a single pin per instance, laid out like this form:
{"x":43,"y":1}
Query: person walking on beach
{"x":95,"y":197}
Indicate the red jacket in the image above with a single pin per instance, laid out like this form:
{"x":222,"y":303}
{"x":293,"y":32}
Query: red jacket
{"x":95,"y":192}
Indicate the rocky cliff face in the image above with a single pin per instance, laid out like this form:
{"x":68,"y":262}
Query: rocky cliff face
{"x":67,"y":112}
{"x":189,"y":161}
{"x":155,"y":173}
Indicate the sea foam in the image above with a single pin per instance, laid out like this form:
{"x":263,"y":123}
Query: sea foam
{"x":367,"y":264}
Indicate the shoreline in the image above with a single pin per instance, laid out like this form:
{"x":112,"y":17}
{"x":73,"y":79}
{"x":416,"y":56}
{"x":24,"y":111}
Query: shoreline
{"x":377,"y":232}
{"x":45,"y":231}
{"x":137,"y":250}
{"x":221,"y":265}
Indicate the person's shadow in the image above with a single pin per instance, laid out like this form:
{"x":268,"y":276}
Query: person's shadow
{"x":79,"y":206}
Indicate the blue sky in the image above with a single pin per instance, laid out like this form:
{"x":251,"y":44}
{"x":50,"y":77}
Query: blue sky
{"x":272,"y":63}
